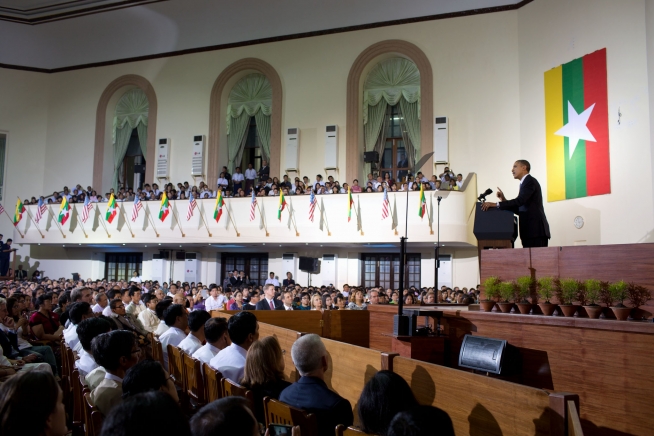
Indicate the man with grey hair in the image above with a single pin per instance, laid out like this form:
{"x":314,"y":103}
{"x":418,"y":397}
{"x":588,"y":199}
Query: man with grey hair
{"x":311,"y":393}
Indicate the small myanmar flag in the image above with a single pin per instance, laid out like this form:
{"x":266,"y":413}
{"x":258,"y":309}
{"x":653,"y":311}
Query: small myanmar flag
{"x":18,"y":214}
{"x":218,"y":210}
{"x":164,"y":210}
{"x":64,"y":211}
{"x":577,"y":128}
{"x":423,"y":201}
{"x":350,"y":202}
{"x":282,"y":205}
{"x":111,"y":209}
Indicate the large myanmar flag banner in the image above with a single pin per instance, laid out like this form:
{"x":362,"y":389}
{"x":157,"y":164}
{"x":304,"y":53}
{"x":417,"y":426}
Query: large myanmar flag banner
{"x":577,"y":128}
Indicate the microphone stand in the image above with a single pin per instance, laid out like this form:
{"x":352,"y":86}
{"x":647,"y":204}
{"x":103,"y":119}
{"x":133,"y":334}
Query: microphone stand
{"x":438,"y":238}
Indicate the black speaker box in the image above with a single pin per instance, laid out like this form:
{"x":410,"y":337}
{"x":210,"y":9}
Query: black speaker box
{"x":371,"y":157}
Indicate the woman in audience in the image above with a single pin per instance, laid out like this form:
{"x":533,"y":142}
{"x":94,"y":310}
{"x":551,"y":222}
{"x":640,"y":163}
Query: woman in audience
{"x":421,"y":421}
{"x":305,"y":301}
{"x":148,"y":375}
{"x":31,"y":403}
{"x":237,"y":304}
{"x":341,"y":302}
{"x":409,"y":299}
{"x":385,"y":395}
{"x":150,"y":413}
{"x":327,"y":302}
{"x":264,"y":372}
{"x":357,"y":301}
{"x":45,"y":324}
{"x":316,"y":302}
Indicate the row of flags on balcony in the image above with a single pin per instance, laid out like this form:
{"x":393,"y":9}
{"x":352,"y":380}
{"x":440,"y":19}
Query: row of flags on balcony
{"x":165,"y":208}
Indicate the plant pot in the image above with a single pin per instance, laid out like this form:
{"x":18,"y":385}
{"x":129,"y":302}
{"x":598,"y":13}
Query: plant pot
{"x":547,"y":308}
{"x":593,"y":311}
{"x":568,"y":310}
{"x":505,"y":307}
{"x":621,"y":313}
{"x":487,"y":306}
{"x":524,"y":308}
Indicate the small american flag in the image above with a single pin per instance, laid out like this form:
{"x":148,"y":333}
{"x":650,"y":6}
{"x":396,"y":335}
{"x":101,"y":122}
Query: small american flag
{"x":39,"y":210}
{"x":88,"y":206}
{"x":192,"y":204}
{"x":253,"y":205}
{"x":385,"y":205}
{"x":2,"y":209}
{"x":137,"y":207}
{"x":312,"y":205}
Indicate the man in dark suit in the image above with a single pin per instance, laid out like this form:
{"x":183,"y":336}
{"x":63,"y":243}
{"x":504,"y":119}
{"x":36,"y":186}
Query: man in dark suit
{"x":254,"y":300}
{"x":20,"y":274}
{"x":5,"y":254}
{"x":264,"y":171}
{"x":269,"y":302}
{"x":534,"y":228}
{"x":311,"y":393}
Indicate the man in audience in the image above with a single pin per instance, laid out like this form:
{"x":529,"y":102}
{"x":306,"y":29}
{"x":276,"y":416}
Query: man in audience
{"x":77,"y":313}
{"x":254,"y":299}
{"x":172,"y":290}
{"x":160,"y":309}
{"x":430,"y":297}
{"x":227,"y":416}
{"x":243,"y":330}
{"x":121,"y":320}
{"x":135,"y":306}
{"x":373,"y":296}
{"x":250,"y":175}
{"x":193,"y":341}
{"x":112,"y":294}
{"x":116,"y":352}
{"x":217,"y":337}
{"x":176,"y":319}
{"x":272,"y":280}
{"x":264,"y":171}
{"x":81,"y":294}
{"x":215,"y":301}
{"x":101,"y":301}
{"x":237,"y":179}
{"x":86,"y":331}
{"x":148,"y":318}
{"x":269,"y":302}
{"x":311,"y":393}
{"x":288,"y":300}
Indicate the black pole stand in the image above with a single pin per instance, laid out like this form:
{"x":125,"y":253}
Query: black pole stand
{"x":438,"y":244}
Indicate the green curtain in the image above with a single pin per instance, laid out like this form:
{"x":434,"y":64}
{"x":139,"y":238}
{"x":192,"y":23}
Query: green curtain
{"x":131,"y":113}
{"x":250,"y":97}
{"x":393,"y":81}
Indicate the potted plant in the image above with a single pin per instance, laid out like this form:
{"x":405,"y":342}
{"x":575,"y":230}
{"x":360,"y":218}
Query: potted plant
{"x":546,"y":292}
{"x":524,"y":290}
{"x":606,"y":298}
{"x":592,"y":294}
{"x":491,"y":292}
{"x":638,"y":295}
{"x":567,"y":294}
{"x":618,"y":291}
{"x":507,"y":293}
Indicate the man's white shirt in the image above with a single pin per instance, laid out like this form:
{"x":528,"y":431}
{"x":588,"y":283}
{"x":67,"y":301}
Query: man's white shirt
{"x":149,"y":320}
{"x":97,"y":308}
{"x":205,"y":353}
{"x":190,"y":344}
{"x":161,"y":329}
{"x":86,"y":363}
{"x":272,"y":281}
{"x":173,"y":336}
{"x":230,"y":362}
{"x":215,"y":303}
{"x":251,"y":174}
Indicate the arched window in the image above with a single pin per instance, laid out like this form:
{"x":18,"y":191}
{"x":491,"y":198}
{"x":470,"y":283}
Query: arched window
{"x":391,"y":116}
{"x":130,"y":136}
{"x":249,"y":110}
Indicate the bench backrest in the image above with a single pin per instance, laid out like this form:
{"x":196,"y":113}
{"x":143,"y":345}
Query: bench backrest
{"x":281,"y":413}
{"x":212,"y":383}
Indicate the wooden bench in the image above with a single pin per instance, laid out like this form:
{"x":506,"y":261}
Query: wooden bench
{"x":212,"y":383}
{"x":93,"y":418}
{"x":233,"y":389}
{"x":277,"y":412}
{"x":194,"y":382}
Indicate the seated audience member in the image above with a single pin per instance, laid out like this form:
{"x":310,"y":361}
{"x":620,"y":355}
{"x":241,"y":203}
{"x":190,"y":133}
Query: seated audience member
{"x":86,"y":331}
{"x":31,"y":403}
{"x":341,"y":302}
{"x":254,"y":299}
{"x":287,"y":299}
{"x":45,"y":324}
{"x":385,"y":395}
{"x":116,"y":352}
{"x":112,"y":294}
{"x":310,"y":393}
{"x":101,"y":302}
{"x":176,"y":318}
{"x":217,"y":337}
{"x":430,"y":297}
{"x":305,"y":301}
{"x":227,"y":416}
{"x":421,"y":421}
{"x":357,"y":301}
{"x":77,"y":312}
{"x":160,"y":309}
{"x":135,"y":306}
{"x":194,"y":340}
{"x":264,"y":372}
{"x":121,"y":320}
{"x":150,"y":413}
{"x":148,"y":375}
{"x":243,"y":330}
{"x":148,"y":317}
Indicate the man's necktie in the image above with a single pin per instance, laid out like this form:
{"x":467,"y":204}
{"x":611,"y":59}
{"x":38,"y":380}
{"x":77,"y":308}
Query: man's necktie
{"x":272,"y":306}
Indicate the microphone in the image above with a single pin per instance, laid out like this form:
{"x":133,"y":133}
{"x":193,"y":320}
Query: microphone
{"x":483,"y":196}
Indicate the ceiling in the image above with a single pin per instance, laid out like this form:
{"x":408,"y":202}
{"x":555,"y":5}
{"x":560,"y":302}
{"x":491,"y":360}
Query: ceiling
{"x":55,"y":35}
{"x":41,"y":11}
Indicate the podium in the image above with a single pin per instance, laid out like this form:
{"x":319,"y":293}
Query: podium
{"x":494,"y":229}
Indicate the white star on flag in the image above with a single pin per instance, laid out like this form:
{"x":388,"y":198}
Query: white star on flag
{"x":576,"y":128}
